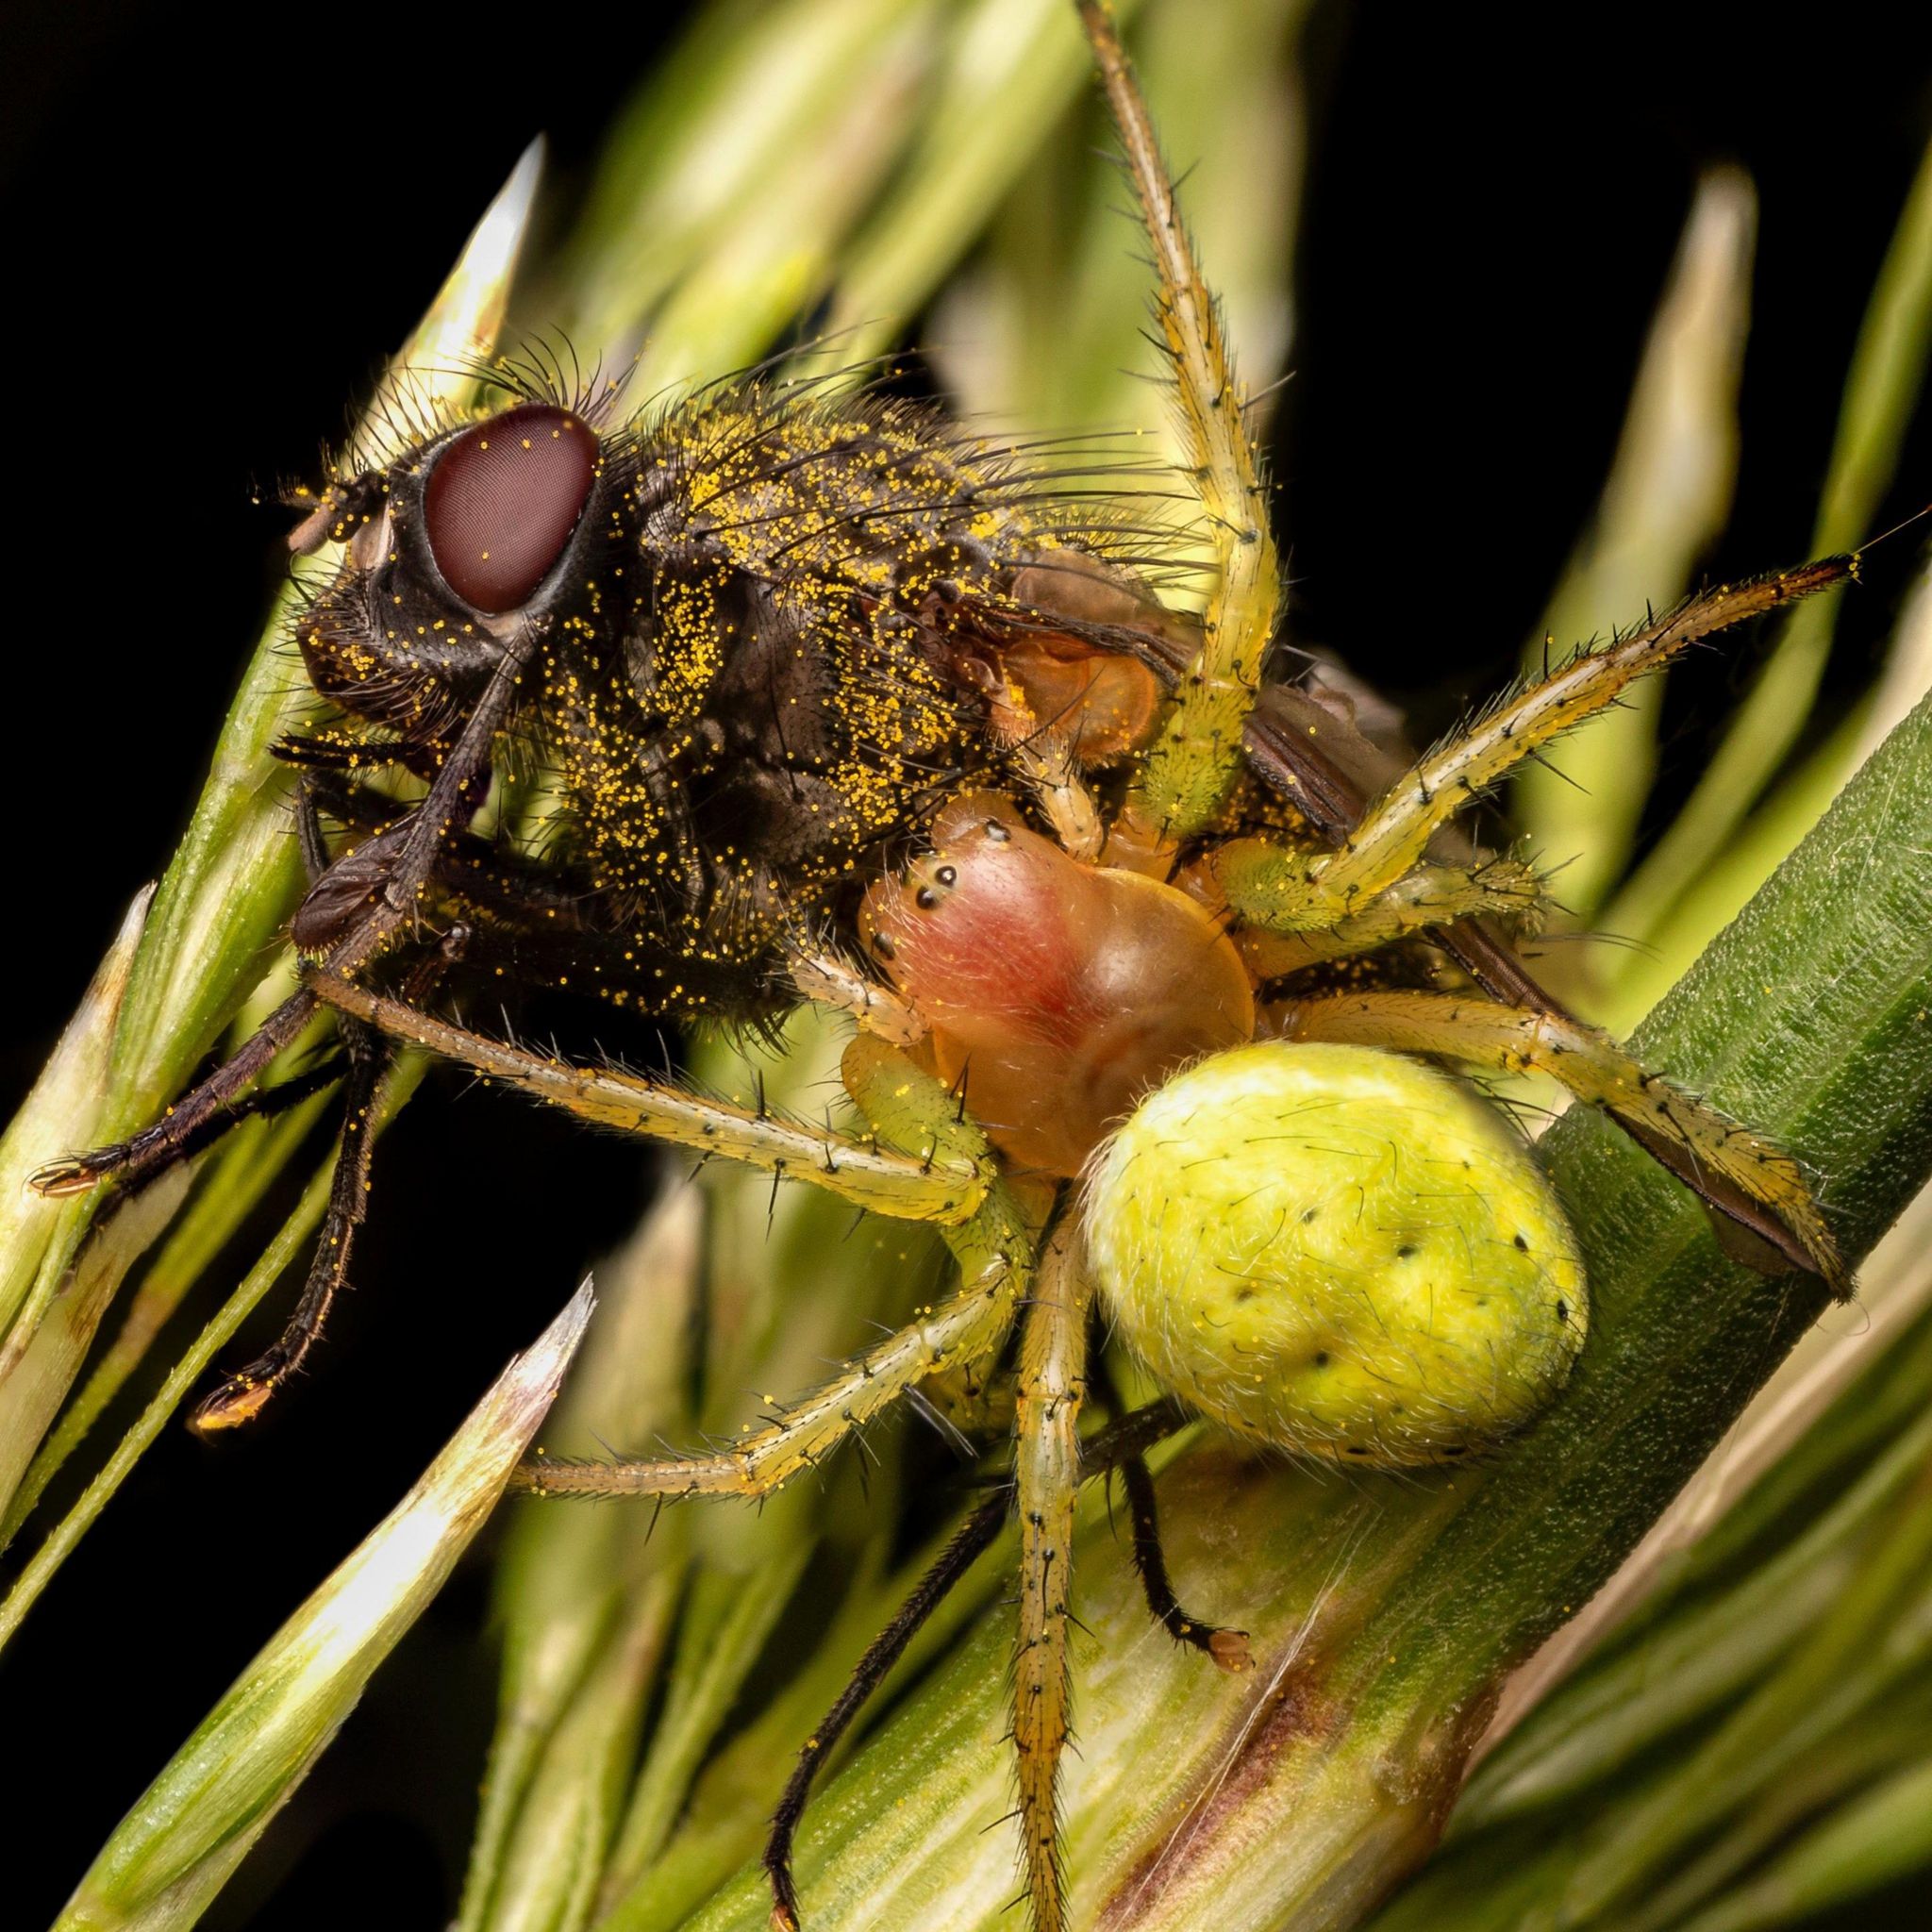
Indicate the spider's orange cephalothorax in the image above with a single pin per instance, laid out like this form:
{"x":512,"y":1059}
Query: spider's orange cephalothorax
{"x":1057,"y":992}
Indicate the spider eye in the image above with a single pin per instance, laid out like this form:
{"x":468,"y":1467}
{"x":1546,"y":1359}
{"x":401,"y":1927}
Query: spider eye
{"x":502,"y":500}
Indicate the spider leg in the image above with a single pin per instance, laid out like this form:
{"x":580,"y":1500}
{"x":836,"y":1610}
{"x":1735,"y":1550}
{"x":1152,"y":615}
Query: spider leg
{"x":943,"y":1183}
{"x":1188,"y":770}
{"x":1050,"y":766}
{"x":1322,"y":762}
{"x":1053,"y":1385}
{"x":969,"y":1325}
{"x":821,"y":975}
{"x":1394,"y":834}
{"x":992,"y":1244}
{"x":1118,"y":1444}
{"x":1262,"y":883}
{"x":1756,"y":1183}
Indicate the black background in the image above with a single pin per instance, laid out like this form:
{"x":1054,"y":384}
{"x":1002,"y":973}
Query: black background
{"x":213,"y":236}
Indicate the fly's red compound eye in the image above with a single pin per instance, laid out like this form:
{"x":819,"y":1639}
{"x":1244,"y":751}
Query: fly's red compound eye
{"x":502,"y":500}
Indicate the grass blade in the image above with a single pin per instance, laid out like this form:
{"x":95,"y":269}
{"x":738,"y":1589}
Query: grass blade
{"x":179,"y":1844}
{"x":1666,"y":500}
{"x":1886,"y":378}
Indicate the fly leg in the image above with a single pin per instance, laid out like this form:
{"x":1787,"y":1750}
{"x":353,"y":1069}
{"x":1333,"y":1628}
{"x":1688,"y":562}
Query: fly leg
{"x":973,"y":1536}
{"x":370,"y":1060}
{"x":390,"y":901}
{"x":242,"y":1397}
{"x":204,"y":1115}
{"x":187,"y":1123}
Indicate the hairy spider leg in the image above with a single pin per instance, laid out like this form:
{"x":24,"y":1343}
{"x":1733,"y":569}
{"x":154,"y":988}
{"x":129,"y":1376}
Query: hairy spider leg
{"x":1740,"y":1170}
{"x":1394,"y":834}
{"x":1263,"y":884}
{"x":924,"y":1128}
{"x":1120,"y":1445}
{"x":969,"y":1325}
{"x":1053,"y":1386}
{"x":1187,"y":772}
{"x":947,"y":1182}
{"x":1182,"y":781}
{"x":927,"y":1162}
{"x":1319,"y":760}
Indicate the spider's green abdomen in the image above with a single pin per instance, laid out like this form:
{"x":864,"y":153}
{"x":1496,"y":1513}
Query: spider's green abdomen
{"x":1337,"y":1250}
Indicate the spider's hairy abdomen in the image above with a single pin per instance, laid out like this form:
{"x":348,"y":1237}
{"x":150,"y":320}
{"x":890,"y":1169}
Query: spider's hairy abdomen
{"x":1339,"y":1252}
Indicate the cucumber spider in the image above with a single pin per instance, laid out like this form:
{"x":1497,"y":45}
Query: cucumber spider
{"x":1173,"y":930}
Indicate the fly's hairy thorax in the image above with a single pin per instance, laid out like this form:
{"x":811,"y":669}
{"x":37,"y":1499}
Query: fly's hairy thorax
{"x":786,"y":689}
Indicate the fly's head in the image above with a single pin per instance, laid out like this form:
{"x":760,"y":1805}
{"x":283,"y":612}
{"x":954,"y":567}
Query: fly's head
{"x":450,"y":548}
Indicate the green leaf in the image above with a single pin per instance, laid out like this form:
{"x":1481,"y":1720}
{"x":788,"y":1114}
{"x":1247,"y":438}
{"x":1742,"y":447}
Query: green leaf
{"x":1784,"y":1671}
